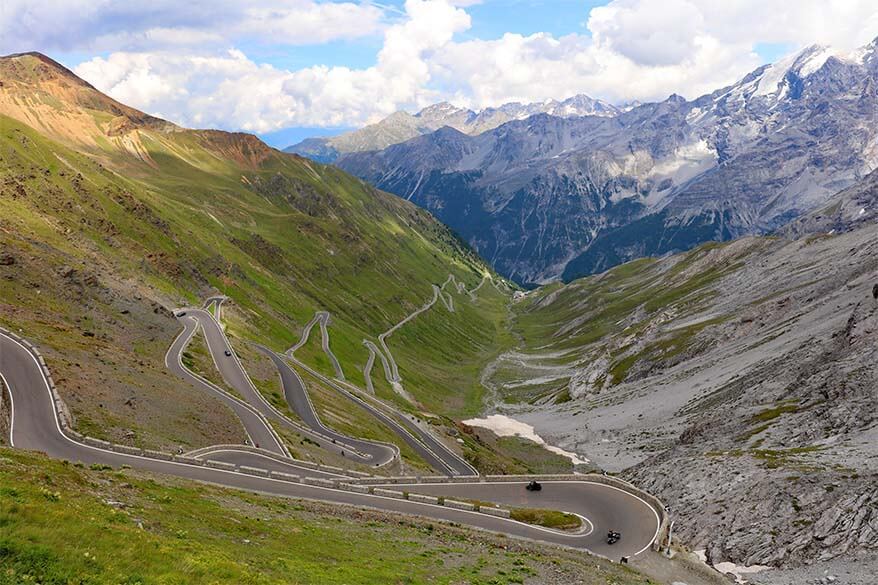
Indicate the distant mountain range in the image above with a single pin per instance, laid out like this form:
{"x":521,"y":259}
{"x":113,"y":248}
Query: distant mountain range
{"x":547,"y":197}
{"x":403,"y":126}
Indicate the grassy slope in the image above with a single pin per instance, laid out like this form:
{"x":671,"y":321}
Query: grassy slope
{"x":614,"y":316}
{"x":80,"y":284}
{"x":441,"y":354}
{"x":157,"y":236}
{"x":340,"y":414}
{"x":150,"y":216}
{"x":125,"y":527}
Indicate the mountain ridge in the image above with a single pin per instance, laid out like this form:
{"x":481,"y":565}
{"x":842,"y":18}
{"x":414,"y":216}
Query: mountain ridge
{"x":547,"y":198}
{"x":110,"y":218}
{"x":401,"y":126}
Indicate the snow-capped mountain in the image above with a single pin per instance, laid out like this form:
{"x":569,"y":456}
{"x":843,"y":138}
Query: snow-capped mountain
{"x":546,"y":196}
{"x":402,"y":126}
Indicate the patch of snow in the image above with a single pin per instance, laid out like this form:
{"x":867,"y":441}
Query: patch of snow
{"x":504,"y":426}
{"x":770,"y":79}
{"x":739,"y":571}
{"x":688,"y":160}
{"x":696,"y":115}
{"x":685,"y":156}
{"x":805,"y":63}
{"x":815,"y":61}
{"x":862,"y":211}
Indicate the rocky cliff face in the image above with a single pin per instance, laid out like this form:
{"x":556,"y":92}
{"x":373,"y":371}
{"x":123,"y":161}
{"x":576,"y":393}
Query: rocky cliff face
{"x":846,"y":210}
{"x":547,"y":197}
{"x":402,"y":126}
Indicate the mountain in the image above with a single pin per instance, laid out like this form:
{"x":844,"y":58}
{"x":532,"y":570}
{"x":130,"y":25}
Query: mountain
{"x":736,"y":380}
{"x":549,"y":197}
{"x":850,"y":208}
{"x":402,"y":126}
{"x":53,"y":100}
{"x":739,"y":381}
{"x":110,"y":218}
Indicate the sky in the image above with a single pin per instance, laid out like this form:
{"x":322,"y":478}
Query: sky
{"x":287,"y":69}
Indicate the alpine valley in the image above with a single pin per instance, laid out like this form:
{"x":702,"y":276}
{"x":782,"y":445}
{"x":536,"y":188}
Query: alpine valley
{"x":454,"y":346}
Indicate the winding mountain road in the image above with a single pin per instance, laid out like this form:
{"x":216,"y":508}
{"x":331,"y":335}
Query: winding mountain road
{"x":35,"y":425}
{"x":430,"y":448}
{"x":297,"y":398}
{"x":256,"y":426}
{"x":233,"y":374}
{"x":321,"y":318}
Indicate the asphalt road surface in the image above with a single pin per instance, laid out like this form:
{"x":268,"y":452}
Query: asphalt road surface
{"x":258,"y":430}
{"x":34,"y":425}
{"x":233,"y":374}
{"x":297,"y":398}
{"x":430,"y":448}
{"x":604,"y":507}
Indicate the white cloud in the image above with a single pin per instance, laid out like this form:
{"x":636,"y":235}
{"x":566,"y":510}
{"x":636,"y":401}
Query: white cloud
{"x":539,"y":66}
{"x":115,"y":25}
{"x":634,"y":49}
{"x":649,"y":33}
{"x":231,"y":91}
{"x":646,"y":50}
{"x":642,"y":28}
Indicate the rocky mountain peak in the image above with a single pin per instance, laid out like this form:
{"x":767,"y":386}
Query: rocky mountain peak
{"x":551,"y":195}
{"x":66,"y":107}
{"x":401,"y":126}
{"x":441,"y":109}
{"x":34,"y":66}
{"x":42,"y":93}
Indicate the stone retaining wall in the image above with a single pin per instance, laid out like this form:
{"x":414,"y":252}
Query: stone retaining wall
{"x":388,"y":493}
{"x":422,"y":499}
{"x":316,"y":481}
{"x":125,"y":449}
{"x":500,"y":512}
{"x":157,"y":455}
{"x":458,"y":505}
{"x":285,"y":476}
{"x":220,"y":465}
{"x":253,"y":471}
{"x":188,"y":460}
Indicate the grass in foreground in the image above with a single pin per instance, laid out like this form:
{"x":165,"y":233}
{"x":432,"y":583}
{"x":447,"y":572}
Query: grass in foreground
{"x":66,"y":524}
